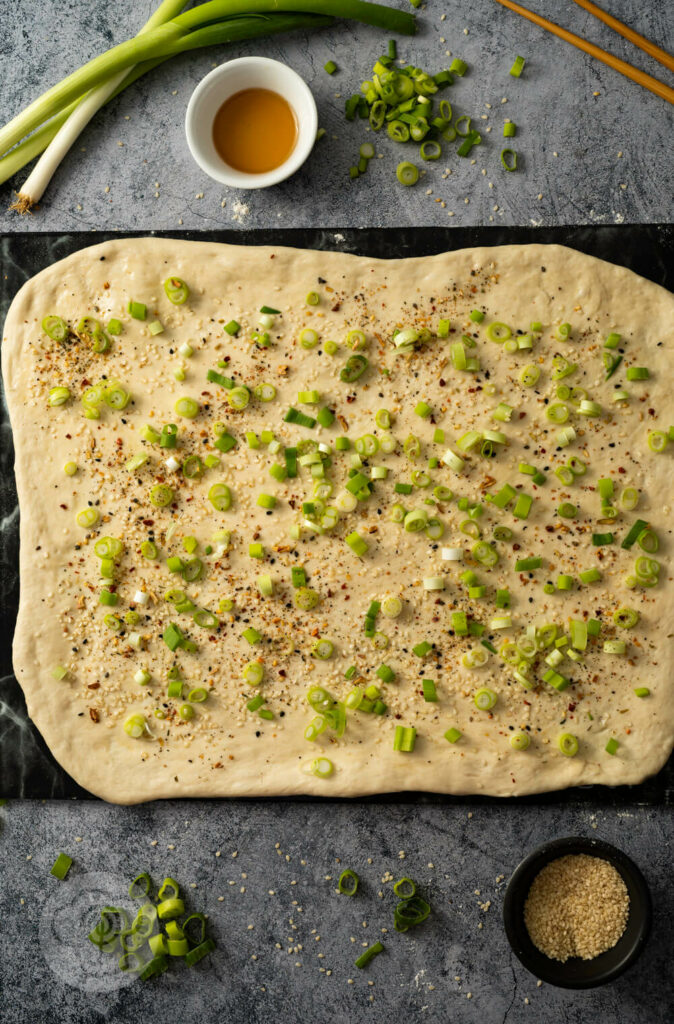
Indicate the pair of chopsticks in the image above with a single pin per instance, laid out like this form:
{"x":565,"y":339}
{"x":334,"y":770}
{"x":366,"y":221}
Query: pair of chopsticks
{"x":647,"y":81}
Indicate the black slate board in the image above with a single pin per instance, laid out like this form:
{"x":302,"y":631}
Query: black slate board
{"x":27,"y":769}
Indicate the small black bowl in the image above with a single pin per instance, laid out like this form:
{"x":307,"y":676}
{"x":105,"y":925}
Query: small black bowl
{"x":578,"y":973}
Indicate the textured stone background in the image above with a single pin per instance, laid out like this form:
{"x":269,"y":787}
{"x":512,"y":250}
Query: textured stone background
{"x":553,"y":104}
{"x":46,"y":973}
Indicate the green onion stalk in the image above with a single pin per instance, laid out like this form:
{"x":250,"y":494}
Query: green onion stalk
{"x":63,"y":111}
{"x":76,"y":116}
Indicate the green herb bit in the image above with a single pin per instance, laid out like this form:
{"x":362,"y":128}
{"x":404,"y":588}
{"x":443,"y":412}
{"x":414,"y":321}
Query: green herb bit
{"x":348,"y":882}
{"x":368,"y":955}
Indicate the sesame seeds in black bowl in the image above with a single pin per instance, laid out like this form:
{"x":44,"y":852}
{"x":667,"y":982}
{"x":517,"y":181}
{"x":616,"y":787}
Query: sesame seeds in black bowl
{"x":588,"y":896}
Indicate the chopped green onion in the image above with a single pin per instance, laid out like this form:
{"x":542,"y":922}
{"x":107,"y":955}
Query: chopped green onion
{"x":385,"y":673}
{"x":138,"y":310}
{"x":237,"y":398}
{"x":529,"y":375}
{"x":485,"y":699}
{"x":430,"y":693}
{"x":590,"y":576}
{"x":498,"y":332}
{"x":323,"y":649}
{"x":430,"y":150}
{"x":87,"y":518}
{"x":135,"y":726}
{"x":322,"y":767}
{"x":176,"y":290}
{"x":305,"y":598}
{"x":568,"y":744}
{"x":220,"y":497}
{"x":527,"y":564}
{"x":58,"y":396}
{"x":523,"y":506}
{"x":517,"y":68}
{"x":557,"y":412}
{"x":348,"y":882}
{"x":634,"y":532}
{"x":187,"y":407}
{"x":566,"y":510}
{"x":251,"y":635}
{"x":509,"y":159}
{"x":61,"y":866}
{"x":612,"y":746}
{"x":55,"y":328}
{"x":406,"y":172}
{"x":626,"y":618}
{"x":657,"y":441}
{"x":404,"y":738}
{"x":368,"y":955}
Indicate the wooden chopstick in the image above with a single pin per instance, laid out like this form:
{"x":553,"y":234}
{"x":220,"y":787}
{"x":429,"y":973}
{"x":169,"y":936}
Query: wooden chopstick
{"x":624,"y":30}
{"x":654,"y":85}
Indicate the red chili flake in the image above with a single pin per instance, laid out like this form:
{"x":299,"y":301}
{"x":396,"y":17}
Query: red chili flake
{"x":148,"y":522}
{"x":442,"y":382}
{"x":336,"y":308}
{"x":69,"y":436}
{"x":621,"y":470}
{"x":572,"y":707}
{"x":93,"y":686}
{"x":63,"y":506}
{"x":93,"y":715}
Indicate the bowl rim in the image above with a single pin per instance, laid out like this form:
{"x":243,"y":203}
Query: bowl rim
{"x":517,"y":891}
{"x":306,"y":135}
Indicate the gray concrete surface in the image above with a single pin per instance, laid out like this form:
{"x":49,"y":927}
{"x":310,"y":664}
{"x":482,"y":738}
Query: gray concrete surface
{"x":575,"y":118}
{"x":286,"y":941}
{"x":273,"y":970}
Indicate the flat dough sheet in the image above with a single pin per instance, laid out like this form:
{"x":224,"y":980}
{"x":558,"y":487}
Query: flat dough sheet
{"x":226,"y":750}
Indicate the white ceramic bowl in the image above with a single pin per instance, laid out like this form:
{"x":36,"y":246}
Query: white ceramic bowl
{"x":230,"y":78}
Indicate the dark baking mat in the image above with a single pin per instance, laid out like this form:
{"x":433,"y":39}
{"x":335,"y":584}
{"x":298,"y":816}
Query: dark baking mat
{"x":27,"y":769}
